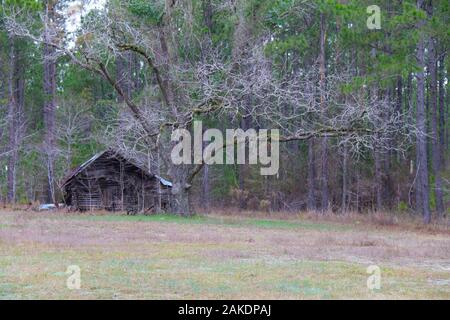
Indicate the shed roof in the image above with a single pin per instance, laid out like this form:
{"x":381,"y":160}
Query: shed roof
{"x":87,"y":163}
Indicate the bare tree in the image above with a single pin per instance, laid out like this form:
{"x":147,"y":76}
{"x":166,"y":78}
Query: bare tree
{"x":73,"y":121}
{"x":110,"y":34}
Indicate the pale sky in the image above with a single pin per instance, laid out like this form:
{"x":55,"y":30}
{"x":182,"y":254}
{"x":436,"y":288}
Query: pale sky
{"x":78,"y":8}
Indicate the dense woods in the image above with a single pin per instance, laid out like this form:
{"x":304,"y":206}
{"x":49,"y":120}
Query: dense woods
{"x":361,"y":100}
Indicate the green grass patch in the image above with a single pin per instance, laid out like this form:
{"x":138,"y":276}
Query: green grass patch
{"x":225,"y":221}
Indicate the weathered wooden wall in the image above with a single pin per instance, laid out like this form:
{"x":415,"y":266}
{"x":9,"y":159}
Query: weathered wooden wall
{"x":114,"y":184}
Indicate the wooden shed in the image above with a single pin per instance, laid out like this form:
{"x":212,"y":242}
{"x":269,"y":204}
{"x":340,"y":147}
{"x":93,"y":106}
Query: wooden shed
{"x":111,"y":182}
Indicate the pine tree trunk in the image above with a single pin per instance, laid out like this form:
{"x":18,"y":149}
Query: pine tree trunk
{"x":311,"y":203}
{"x":344,"y":178}
{"x":208,"y":15}
{"x":50,"y":103}
{"x":399,"y":95}
{"x":324,"y":145}
{"x":435,"y":144}
{"x":378,"y":181}
{"x":205,"y":187}
{"x":12,"y":123}
{"x":421,"y":148}
{"x":324,"y":177}
{"x":442,"y":115}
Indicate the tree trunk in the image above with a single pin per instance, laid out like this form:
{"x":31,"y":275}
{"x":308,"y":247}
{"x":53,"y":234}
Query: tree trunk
{"x":436,"y":158}
{"x":311,"y":204}
{"x":344,"y":178}
{"x":409,"y":96}
{"x":125,"y":68}
{"x":180,"y":192}
{"x":399,"y":94}
{"x":378,"y":181}
{"x":205,"y":187}
{"x":208,"y":15}
{"x":442,"y":115}
{"x":180,"y":201}
{"x":120,"y":76}
{"x":50,"y":104}
{"x":324,"y":177}
{"x":324,"y":145}
{"x":421,"y":148}
{"x":12,"y":122}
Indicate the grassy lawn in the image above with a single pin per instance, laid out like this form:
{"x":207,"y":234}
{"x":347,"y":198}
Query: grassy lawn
{"x":218,"y":220}
{"x":165,"y":257}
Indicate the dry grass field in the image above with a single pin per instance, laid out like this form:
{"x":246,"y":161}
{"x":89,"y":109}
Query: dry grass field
{"x":217,"y":257}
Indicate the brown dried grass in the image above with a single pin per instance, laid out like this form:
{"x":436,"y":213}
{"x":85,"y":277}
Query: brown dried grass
{"x":215,"y":253}
{"x":383,"y":219}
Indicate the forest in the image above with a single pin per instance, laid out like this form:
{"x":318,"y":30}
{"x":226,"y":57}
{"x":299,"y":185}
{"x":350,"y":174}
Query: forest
{"x":358,"y":90}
